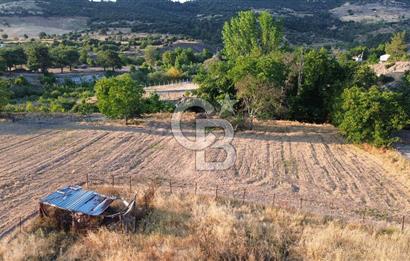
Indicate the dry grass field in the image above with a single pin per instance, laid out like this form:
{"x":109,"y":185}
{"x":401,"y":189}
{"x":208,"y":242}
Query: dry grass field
{"x":285,"y":160}
{"x":201,"y":228}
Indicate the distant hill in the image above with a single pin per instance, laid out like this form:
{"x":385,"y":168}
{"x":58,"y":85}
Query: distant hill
{"x":312,"y":22}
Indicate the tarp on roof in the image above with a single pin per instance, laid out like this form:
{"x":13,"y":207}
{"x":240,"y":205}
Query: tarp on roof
{"x":76,"y":199}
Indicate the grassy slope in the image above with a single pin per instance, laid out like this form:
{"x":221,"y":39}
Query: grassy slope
{"x":201,"y":228}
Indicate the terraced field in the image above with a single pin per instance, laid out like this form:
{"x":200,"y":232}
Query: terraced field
{"x":279,"y":161}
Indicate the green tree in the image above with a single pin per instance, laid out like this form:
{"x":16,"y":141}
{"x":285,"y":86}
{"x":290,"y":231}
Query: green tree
{"x":64,"y":56}
{"x":5,"y":93}
{"x":13,"y":56}
{"x":42,"y":35}
{"x":265,"y":77}
{"x":364,"y":77}
{"x":321,"y":81}
{"x":397,"y":47}
{"x":260,"y":98}
{"x":371,"y":116}
{"x":119,"y":97}
{"x":214,"y":82}
{"x":168,"y":59}
{"x":151,"y":56}
{"x":248,"y":33}
{"x":38,"y":57}
{"x":109,"y":58}
{"x":83,"y":56}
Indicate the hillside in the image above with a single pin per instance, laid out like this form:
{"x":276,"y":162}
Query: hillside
{"x":311,"y":22}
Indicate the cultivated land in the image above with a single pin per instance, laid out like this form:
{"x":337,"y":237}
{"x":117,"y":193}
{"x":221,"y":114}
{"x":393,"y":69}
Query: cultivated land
{"x":288,"y":160}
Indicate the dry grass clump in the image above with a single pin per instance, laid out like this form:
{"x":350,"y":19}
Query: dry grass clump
{"x":392,"y":160}
{"x":333,"y":242}
{"x":200,"y":228}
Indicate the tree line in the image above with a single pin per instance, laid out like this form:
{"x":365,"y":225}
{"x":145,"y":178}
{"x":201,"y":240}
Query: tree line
{"x":274,"y":81}
{"x":39,"y":57}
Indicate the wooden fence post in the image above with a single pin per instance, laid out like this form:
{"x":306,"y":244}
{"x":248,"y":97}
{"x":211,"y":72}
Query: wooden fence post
{"x":274,"y":198}
{"x":135,"y":223}
{"x":301,"y":203}
{"x":170,"y":186}
{"x":21,"y":224}
{"x":244,"y":196}
{"x":113,"y":181}
{"x":196,"y":188}
{"x":130,"y":184}
{"x":216,"y":193}
{"x":86,"y":180}
{"x":402,"y":224}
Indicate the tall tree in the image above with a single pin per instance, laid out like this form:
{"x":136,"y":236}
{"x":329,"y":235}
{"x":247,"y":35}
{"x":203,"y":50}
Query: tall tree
{"x":397,"y":47}
{"x":249,"y":33}
{"x":321,"y":81}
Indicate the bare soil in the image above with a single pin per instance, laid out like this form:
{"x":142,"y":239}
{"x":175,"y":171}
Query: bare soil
{"x":32,"y":26}
{"x":278,"y":161}
{"x":388,"y":11}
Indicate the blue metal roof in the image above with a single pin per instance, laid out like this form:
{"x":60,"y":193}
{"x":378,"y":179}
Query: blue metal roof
{"x":76,"y":199}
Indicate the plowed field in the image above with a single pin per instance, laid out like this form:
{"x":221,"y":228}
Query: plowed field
{"x":280,"y":161}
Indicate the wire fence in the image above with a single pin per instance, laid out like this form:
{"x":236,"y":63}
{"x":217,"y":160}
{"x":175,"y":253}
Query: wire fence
{"x":240,"y":194}
{"x":293,"y":204}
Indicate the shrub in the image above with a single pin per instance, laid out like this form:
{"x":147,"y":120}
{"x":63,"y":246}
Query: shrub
{"x":48,"y":79}
{"x":20,"y":81}
{"x":84,"y":108}
{"x":371,"y":116}
{"x":153,"y":104}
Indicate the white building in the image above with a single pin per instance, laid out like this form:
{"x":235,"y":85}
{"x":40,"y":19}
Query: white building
{"x":384,"y":58}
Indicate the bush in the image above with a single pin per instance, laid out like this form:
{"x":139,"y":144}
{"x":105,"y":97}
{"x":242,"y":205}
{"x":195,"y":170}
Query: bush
{"x":153,"y":104}
{"x":372,"y":116}
{"x":48,"y":79}
{"x":20,"y":81}
{"x":85,"y":108}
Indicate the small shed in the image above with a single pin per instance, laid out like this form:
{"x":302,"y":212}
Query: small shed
{"x":76,"y":207}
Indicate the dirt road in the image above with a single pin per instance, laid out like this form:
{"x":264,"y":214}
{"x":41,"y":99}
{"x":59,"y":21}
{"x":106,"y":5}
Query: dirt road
{"x":288,"y":160}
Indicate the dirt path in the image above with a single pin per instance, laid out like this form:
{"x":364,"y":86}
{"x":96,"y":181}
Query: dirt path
{"x":285,"y":161}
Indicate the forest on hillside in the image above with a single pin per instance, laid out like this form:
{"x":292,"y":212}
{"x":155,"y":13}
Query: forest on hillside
{"x":308,"y":22}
